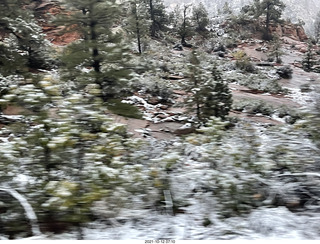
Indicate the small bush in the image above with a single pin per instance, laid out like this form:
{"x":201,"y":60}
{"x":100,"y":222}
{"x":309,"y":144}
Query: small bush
{"x":253,"y":107}
{"x":264,"y":84}
{"x":123,"y":109}
{"x":231,"y":43}
{"x":305,"y":88}
{"x":285,"y":72}
{"x":157,"y":89}
{"x":290,"y":115}
{"x":243,"y":62}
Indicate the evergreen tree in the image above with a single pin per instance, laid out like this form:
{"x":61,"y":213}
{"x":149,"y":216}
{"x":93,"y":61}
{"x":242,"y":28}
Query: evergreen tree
{"x":312,"y":122}
{"x":227,"y":9}
{"x":185,"y":28}
{"x":201,"y":19}
{"x":158,"y":16}
{"x":276,"y":51}
{"x":210,"y":95}
{"x":309,"y":60}
{"x":99,"y":57}
{"x":271,"y":9}
{"x":76,"y":157}
{"x":137,"y":22}
{"x":24,"y":45}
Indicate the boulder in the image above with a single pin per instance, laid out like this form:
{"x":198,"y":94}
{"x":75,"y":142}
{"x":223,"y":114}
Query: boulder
{"x":178,"y":47}
{"x":184,"y":44}
{"x":185,"y":129}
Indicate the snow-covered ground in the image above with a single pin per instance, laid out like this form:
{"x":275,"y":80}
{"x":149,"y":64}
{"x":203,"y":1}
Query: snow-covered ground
{"x":262,"y":224}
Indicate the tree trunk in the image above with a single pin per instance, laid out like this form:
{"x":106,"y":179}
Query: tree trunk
{"x":138,"y":32}
{"x":268,"y":21}
{"x":95,"y":52}
{"x":153,"y":25}
{"x":184,"y":26}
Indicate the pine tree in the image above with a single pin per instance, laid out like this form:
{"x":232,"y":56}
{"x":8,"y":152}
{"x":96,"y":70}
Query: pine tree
{"x":227,"y":9}
{"x":100,"y":56}
{"x":271,"y":9}
{"x":309,"y":60}
{"x":24,"y":45}
{"x":137,"y":22}
{"x":185,"y":28}
{"x":210,"y":95}
{"x":201,"y":19}
{"x":158,"y":16}
{"x":276,"y":51}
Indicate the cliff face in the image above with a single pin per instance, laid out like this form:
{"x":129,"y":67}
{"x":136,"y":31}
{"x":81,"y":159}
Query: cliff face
{"x":44,"y":10}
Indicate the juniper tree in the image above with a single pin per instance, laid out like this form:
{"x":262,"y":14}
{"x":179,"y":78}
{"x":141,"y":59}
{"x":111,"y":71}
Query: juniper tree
{"x":99,"y":56}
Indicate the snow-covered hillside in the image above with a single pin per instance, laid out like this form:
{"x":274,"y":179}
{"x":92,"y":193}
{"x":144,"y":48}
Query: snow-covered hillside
{"x":305,"y":10}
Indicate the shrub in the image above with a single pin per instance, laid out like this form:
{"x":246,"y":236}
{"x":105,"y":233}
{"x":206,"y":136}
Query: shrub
{"x":243,"y":62}
{"x":160,"y":90}
{"x":261,"y":83}
{"x":253,"y":107}
{"x":285,"y":72}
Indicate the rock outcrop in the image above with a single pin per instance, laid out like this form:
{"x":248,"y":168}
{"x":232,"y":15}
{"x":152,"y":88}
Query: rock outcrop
{"x":295,"y":32}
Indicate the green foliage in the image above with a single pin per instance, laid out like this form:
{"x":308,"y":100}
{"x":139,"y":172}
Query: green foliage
{"x":270,"y":9}
{"x":259,"y":82}
{"x":11,"y":61}
{"x":82,"y":157}
{"x":12,"y":218}
{"x":160,"y":90}
{"x":317,"y":27}
{"x":184,"y":24}
{"x":210,"y":95}
{"x":285,"y":72}
{"x":276,"y":51}
{"x":311,"y":124}
{"x":100,"y":57}
{"x":253,"y":107}
{"x":242,"y":168}
{"x":23,"y":45}
{"x":201,"y":19}
{"x":226,"y":9}
{"x":243,"y":61}
{"x":158,"y":16}
{"x":309,"y":60}
{"x":137,"y":23}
